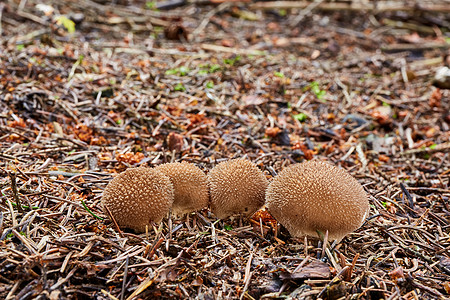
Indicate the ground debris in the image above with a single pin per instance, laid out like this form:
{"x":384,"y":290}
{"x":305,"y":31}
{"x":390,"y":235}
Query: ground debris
{"x":91,"y":88}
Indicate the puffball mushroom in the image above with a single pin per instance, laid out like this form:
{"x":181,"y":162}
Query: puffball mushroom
{"x":189,"y":184}
{"x":236,"y":186}
{"x":317,"y":196}
{"x":138,"y":196}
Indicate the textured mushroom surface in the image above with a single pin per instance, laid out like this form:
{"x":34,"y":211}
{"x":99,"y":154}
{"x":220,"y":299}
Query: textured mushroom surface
{"x":190,"y":186}
{"x":317,"y":196}
{"x":236,"y":186}
{"x":138,"y":197}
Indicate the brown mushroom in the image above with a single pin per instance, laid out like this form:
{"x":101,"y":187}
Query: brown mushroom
{"x":189,"y":184}
{"x":138,"y":197}
{"x":317,"y":196}
{"x":236,"y":186}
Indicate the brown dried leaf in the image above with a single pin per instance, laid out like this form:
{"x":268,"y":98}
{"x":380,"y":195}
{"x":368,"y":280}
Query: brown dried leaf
{"x":175,"y":141}
{"x":316,"y":269}
{"x":197,"y":281}
{"x":175,"y":31}
{"x":435,"y":98}
{"x":272,"y":131}
{"x":253,"y":100}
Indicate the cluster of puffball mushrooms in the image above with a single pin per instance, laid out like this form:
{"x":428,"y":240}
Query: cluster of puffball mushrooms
{"x":306,"y":198}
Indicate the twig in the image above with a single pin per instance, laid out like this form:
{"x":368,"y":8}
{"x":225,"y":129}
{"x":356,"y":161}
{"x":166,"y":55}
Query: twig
{"x":2,"y":5}
{"x":437,"y":148}
{"x":157,"y":245}
{"x":414,"y":47}
{"x":207,"y":18}
{"x":124,"y":283}
{"x":248,"y":275}
{"x":306,"y":11}
{"x":407,"y":195}
{"x":13,"y":176}
{"x":217,"y":48}
{"x":378,"y":6}
{"x":336,"y":279}
{"x":114,"y":221}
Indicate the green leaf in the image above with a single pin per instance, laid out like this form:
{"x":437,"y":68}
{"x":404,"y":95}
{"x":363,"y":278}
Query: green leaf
{"x":210,"y":85}
{"x":172,"y":71}
{"x":300,"y":117}
{"x":182,"y":71}
{"x":278,"y":74}
{"x":179,"y":87}
{"x":67,"y":23}
{"x":214,"y":68}
{"x":151,"y":5}
{"x":227,"y":227}
{"x":314,"y":87}
{"x":232,"y":61}
{"x":20,"y":47}
{"x":433,"y":146}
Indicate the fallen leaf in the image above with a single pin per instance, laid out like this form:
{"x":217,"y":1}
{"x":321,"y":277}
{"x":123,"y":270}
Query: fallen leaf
{"x":435,"y":98}
{"x":316,"y":269}
{"x":272,"y":131}
{"x":175,"y":141}
{"x":253,"y":100}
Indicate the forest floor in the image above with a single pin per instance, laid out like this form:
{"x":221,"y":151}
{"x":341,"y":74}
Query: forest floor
{"x":90,"y":88}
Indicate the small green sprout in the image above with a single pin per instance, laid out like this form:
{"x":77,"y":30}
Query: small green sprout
{"x":316,"y":90}
{"x":227,"y":227}
{"x":151,"y":5}
{"x":300,"y":117}
{"x":181,"y":71}
{"x":232,"y":61}
{"x":179,"y":87}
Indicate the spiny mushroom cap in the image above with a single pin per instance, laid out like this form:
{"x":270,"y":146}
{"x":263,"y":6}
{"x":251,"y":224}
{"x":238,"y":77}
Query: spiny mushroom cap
{"x":138,"y":197}
{"x":317,"y":196}
{"x":236,"y":186}
{"x":189,"y":184}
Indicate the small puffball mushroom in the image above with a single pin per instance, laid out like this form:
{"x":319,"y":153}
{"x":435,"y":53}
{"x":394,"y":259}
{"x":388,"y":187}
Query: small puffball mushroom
{"x":236,"y":186}
{"x":189,"y":184}
{"x":138,"y":197}
{"x":317,"y":196}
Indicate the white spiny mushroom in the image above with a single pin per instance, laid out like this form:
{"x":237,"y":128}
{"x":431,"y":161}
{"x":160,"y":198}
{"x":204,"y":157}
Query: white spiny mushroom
{"x":189,"y":184}
{"x":317,"y":196}
{"x":236,"y":186}
{"x":138,"y":197}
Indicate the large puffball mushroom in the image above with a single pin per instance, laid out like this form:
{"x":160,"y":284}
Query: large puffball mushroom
{"x":317,"y":196}
{"x":138,"y":197}
{"x":236,"y":186}
{"x":189,"y":184}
